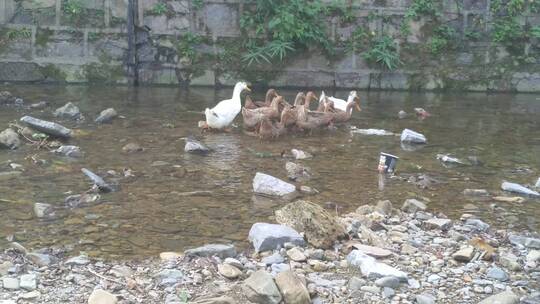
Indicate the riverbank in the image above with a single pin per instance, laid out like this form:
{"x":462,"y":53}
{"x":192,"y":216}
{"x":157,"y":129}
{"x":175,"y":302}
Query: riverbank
{"x":380,"y":253}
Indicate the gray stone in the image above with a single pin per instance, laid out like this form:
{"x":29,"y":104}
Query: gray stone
{"x":40,"y":259}
{"x":438,"y":223}
{"x":196,"y":147}
{"x":132,"y":148}
{"x":299,"y":154}
{"x":410,"y":136}
{"x":100,"y":296}
{"x":229,"y":271}
{"x":388,"y":292}
{"x":371,"y":289}
{"x":373,"y":251}
{"x":378,"y":132}
{"x":78,"y":260}
{"x":98,"y":181}
{"x":42,"y":210}
{"x":106,"y":116}
{"x":221,"y":250}
{"x":222,"y":19}
{"x":355,"y":283}
{"x":464,"y":255}
{"x":391,"y":282}
{"x":413,"y":205}
{"x":413,"y":283}
{"x":79,"y":200}
{"x":40,"y":4}
{"x":384,"y":207}
{"x":296,"y":172}
{"x":477,"y":224}
{"x":498,"y":274}
{"x":28,"y":281}
{"x":296,"y":255}
{"x":47,"y":127}
{"x":510,"y":261}
{"x":292,"y":288}
{"x":266,"y":237}
{"x":269,"y":185}
{"x":9,"y":139}
{"x":69,"y":151}
{"x":371,"y":268}
{"x":232,"y":261}
{"x":505,"y":297}
{"x":475,"y":192}
{"x":517,"y":188}
{"x":433,"y":279}
{"x":214,"y":300}
{"x":169,"y":276}
{"x":260,"y":288}
{"x":279,"y":267}
{"x":275,"y":258}
{"x":119,"y":8}
{"x":4,"y":268}
{"x":425,"y":299}
{"x":10,"y":283}
{"x":528,"y":242}
{"x":179,"y":7}
{"x":21,"y":71}
{"x":69,"y":111}
{"x":532,"y":256}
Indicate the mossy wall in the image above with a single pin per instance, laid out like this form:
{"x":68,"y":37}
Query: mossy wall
{"x":187,"y":42}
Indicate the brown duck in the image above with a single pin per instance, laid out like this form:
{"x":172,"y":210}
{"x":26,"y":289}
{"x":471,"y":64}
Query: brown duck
{"x":270,"y":95}
{"x":252,"y":117}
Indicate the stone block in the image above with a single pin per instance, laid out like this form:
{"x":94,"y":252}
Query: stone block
{"x":20,"y":71}
{"x":119,"y":8}
{"x":222,"y":19}
{"x":157,"y":75}
{"x":207,"y":79}
{"x":353,"y":80}
{"x":304,"y":79}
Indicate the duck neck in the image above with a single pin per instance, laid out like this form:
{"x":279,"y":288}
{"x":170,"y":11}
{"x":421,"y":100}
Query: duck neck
{"x":268,"y":99}
{"x":349,"y":109}
{"x":237,"y":91}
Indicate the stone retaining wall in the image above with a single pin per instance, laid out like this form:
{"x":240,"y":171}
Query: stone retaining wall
{"x":86,"y":41}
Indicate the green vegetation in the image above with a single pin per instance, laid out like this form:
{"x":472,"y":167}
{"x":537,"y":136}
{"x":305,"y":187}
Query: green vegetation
{"x":104,"y":71}
{"x":420,"y":8}
{"x":186,"y":46}
{"x":43,"y":36}
{"x":159,"y":9}
{"x":18,"y":34}
{"x":73,"y":10}
{"x":384,"y":51}
{"x":197,"y":4}
{"x":441,"y":39}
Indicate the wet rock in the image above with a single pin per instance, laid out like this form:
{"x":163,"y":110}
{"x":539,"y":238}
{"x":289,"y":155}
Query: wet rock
{"x":410,"y":136}
{"x":528,"y":242}
{"x":80,"y":200}
{"x":391,"y":282}
{"x":215,"y":300}
{"x":509,"y":261}
{"x":292,"y":288}
{"x":100,"y":296}
{"x":384,"y":207}
{"x":69,"y":111}
{"x":477,"y":224}
{"x":296,"y":255}
{"x":413,"y":205}
{"x":9,"y":139}
{"x":475,"y":192}
{"x":221,"y":250}
{"x":532,"y":256}
{"x":234,"y":262}
{"x":42,"y":210}
{"x":40,"y":259}
{"x":402,"y":114}
{"x":320,"y":228}
{"x":196,"y":147}
{"x":299,"y":154}
{"x":132,"y":148}
{"x":269,"y":185}
{"x":106,"y":116}
{"x":275,"y":258}
{"x":78,"y":260}
{"x":169,"y":276}
{"x":69,"y":151}
{"x":229,"y":271}
{"x":10,"y":283}
{"x":47,"y":127}
{"x":266,"y":237}
{"x":464,"y":254}
{"x":388,"y":292}
{"x":28,"y":281}
{"x":260,"y":288}
{"x":438,"y":223}
{"x":507,"y":199}
{"x":505,"y":297}
{"x":308,"y":190}
{"x":297,"y":172}
{"x":373,"y":269}
{"x":498,"y":274}
{"x":517,"y":188}
{"x":6,"y":97}
{"x":373,"y":251}
{"x":98,"y":181}
{"x":425,"y":299}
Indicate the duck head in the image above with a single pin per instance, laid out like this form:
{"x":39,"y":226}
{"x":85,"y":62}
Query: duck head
{"x":300,"y":98}
{"x":353,"y":97}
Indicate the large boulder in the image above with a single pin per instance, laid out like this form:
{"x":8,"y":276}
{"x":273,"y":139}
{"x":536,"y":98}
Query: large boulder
{"x":271,"y":236}
{"x":269,"y":185}
{"x":9,"y":139}
{"x":292,"y":288}
{"x":321,"y":229}
{"x":260,"y":288}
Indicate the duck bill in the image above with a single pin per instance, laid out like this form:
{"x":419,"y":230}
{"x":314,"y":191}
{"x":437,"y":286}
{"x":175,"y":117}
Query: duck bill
{"x":248,"y":89}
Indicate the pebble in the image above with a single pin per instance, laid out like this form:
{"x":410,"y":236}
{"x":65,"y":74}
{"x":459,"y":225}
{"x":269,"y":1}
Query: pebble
{"x":425,"y":299}
{"x":296,"y":255}
{"x":388,"y":292}
{"x":100,"y":296}
{"x":11,"y":283}
{"x":391,"y":282}
{"x":28,"y":281}
{"x":464,"y":255}
{"x":498,"y":274}
{"x":275,"y":258}
{"x":229,"y":271}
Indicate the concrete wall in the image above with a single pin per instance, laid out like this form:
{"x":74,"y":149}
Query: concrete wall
{"x":43,"y":41}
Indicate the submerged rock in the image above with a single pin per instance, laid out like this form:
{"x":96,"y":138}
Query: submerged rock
{"x":299,"y":154}
{"x":106,"y":116}
{"x":410,"y":136}
{"x":320,"y":228}
{"x":69,"y":111}
{"x":9,"y":139}
{"x":266,"y":237}
{"x":79,"y":200}
{"x":373,"y":269}
{"x":98,"y":181}
{"x":296,"y":172}
{"x":260,"y":288}
{"x":47,"y":127}
{"x":69,"y":151}
{"x":132,"y":148}
{"x":269,"y":185}
{"x":196,"y":147}
{"x":517,"y":188}
{"x":221,"y":250}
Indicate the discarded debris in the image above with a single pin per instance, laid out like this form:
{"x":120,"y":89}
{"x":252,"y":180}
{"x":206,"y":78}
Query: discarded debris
{"x":98,"y":181}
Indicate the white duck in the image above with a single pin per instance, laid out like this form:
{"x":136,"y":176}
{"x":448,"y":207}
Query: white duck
{"x":340,"y":104}
{"x":222,"y":115}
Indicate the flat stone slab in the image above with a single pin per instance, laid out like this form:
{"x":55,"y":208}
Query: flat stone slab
{"x":269,"y":185}
{"x":373,"y":251}
{"x":438,"y":223}
{"x":271,"y":236}
{"x":373,"y":269}
{"x":221,"y":250}
{"x":47,"y":127}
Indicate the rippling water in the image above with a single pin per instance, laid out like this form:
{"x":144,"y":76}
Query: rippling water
{"x":151,"y":213}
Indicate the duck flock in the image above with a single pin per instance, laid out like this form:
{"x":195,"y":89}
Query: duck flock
{"x":274,"y":116}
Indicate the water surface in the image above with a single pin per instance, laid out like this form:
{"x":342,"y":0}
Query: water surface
{"x":152,"y":212}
